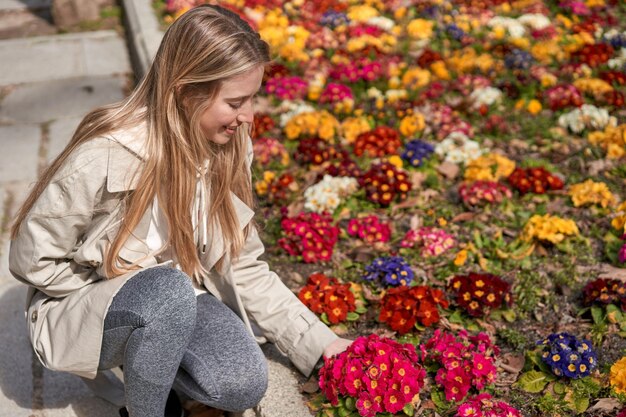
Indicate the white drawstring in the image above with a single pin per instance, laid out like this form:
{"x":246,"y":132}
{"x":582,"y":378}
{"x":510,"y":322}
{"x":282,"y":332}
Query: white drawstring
{"x":200,"y":210}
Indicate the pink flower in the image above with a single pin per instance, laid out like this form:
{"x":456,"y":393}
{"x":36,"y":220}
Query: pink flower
{"x":393,"y":401}
{"x":366,"y":405}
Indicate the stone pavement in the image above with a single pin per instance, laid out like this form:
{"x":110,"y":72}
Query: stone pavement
{"x":47,"y":84}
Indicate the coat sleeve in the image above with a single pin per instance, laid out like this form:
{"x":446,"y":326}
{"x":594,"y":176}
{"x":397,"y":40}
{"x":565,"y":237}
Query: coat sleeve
{"x":278,"y":313}
{"x":42,"y":253}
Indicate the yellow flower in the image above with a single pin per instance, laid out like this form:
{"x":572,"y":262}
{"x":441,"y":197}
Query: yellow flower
{"x":548,"y":80}
{"x":416,"y":78}
{"x":549,"y":228}
{"x":618,"y":376}
{"x":521,"y":43}
{"x":613,"y":139}
{"x":412,"y":124}
{"x":594,"y":86}
{"x":534,"y":106}
{"x":461,"y":258}
{"x":590,"y":192}
{"x":489,"y":167}
{"x":353,"y":127}
{"x":396,"y":161}
{"x":498,"y":32}
{"x":619,"y":222}
{"x":420,"y":29}
{"x":361,"y":13}
{"x":318,"y":123}
{"x":262,"y":186}
{"x":547,"y":52}
{"x":439,"y":70}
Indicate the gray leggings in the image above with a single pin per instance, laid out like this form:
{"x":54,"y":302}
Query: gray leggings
{"x":165,"y":337}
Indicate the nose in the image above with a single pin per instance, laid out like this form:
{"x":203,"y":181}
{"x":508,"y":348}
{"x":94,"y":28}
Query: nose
{"x":246,"y":113}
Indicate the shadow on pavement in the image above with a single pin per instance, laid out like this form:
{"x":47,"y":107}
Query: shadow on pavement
{"x":55,"y":391}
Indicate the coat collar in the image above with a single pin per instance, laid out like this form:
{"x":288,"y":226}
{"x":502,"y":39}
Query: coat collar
{"x":124,"y":168}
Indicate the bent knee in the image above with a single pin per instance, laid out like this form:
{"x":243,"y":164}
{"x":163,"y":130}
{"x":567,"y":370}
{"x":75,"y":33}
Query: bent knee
{"x":161,"y":291}
{"x":247,"y":392}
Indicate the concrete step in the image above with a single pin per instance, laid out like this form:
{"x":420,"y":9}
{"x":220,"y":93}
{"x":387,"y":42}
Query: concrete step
{"x":56,"y":57}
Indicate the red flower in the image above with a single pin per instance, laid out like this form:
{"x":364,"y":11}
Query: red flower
{"x":478,"y":293}
{"x":325,"y":295}
{"x":402,"y":307}
{"x":537,"y":180}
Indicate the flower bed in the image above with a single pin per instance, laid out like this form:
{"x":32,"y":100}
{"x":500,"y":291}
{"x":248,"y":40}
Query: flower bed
{"x":461,"y":164}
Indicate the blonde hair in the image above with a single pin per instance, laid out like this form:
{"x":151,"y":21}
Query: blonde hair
{"x":203,"y":47}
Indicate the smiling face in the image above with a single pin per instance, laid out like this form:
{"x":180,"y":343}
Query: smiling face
{"x":232,"y":106}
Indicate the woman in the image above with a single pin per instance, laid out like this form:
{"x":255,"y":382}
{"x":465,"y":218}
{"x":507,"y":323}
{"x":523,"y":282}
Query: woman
{"x":138,"y":243}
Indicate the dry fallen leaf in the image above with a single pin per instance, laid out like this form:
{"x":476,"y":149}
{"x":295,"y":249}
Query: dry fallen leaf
{"x":311,"y":386}
{"x":512,"y":362}
{"x":609,"y":271}
{"x":605,"y":404}
{"x":463,"y":217}
{"x":448,"y":170}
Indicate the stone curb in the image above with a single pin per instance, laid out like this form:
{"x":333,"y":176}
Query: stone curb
{"x":144,"y":34}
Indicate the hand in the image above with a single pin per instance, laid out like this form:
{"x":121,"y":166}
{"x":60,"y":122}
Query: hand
{"x":336,"y":347}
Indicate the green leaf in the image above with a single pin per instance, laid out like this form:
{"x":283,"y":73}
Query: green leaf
{"x":456,"y":317}
{"x":408,"y":409}
{"x":559,"y":387}
{"x":344,"y":412}
{"x":509,"y":315}
{"x":324,"y":318}
{"x":352,"y":316}
{"x":350,"y":403}
{"x":578,"y":403}
{"x":597,"y":314}
{"x":532,"y":381}
{"x":439,"y":398}
{"x":361,"y":310}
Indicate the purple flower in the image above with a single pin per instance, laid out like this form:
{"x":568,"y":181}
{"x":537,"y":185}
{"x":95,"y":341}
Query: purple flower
{"x":389,"y":270}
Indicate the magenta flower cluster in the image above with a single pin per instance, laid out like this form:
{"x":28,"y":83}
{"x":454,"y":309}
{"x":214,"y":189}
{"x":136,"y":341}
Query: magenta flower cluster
{"x":287,"y":88}
{"x":380,"y":373}
{"x":484,"y":405}
{"x":370,"y":229}
{"x":465,"y":362}
{"x":310,"y":235}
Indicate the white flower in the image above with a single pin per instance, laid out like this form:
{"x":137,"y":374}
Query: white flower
{"x":326,"y":195}
{"x":515,"y":28}
{"x":586,"y":116}
{"x":458,"y":148}
{"x":485,"y":95}
{"x":382,"y":22}
{"x":292,"y":108}
{"x":534,"y":20}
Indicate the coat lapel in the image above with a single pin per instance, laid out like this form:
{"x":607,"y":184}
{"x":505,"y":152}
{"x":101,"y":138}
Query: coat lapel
{"x":123,"y":171}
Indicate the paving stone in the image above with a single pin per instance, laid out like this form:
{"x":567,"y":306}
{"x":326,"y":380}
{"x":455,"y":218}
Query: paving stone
{"x":24,"y":4}
{"x":19,"y":156}
{"x":56,"y":57}
{"x":46,"y":101}
{"x":60,"y":132}
{"x":66,"y":395}
{"x":41,"y":59}
{"x":105,"y":55}
{"x":15,"y":356}
{"x":283,"y":398}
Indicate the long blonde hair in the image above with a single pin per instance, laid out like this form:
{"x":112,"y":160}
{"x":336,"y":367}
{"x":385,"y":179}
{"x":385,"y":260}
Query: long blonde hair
{"x":203,"y":47}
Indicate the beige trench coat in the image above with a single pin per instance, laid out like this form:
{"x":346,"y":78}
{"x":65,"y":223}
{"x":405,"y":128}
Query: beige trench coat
{"x":59,"y":253}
